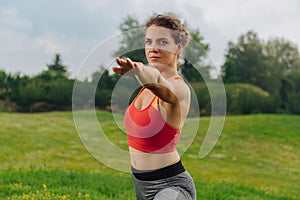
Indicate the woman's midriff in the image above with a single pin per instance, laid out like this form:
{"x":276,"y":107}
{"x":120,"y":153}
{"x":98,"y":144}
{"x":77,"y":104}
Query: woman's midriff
{"x":150,"y":161}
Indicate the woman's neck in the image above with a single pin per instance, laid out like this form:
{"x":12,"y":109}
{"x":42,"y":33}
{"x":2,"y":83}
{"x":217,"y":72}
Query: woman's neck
{"x":166,"y":71}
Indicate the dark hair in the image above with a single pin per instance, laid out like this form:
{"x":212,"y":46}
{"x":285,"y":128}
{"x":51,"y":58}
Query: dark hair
{"x":179,"y":34}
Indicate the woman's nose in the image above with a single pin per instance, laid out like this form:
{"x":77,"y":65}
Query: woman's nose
{"x":152,"y":47}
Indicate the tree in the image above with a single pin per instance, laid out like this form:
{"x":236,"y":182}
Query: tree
{"x":56,"y":70}
{"x":30,"y":93}
{"x":103,"y":79}
{"x":132,"y":44}
{"x":284,"y":52}
{"x":58,"y":94}
{"x":244,"y":60}
{"x":290,"y":90}
{"x":252,"y":61}
{"x":3,"y":85}
{"x":194,"y":54}
{"x":3,"y":77}
{"x":57,"y":65}
{"x":14,"y":83}
{"x":105,"y":85}
{"x":282,"y":58}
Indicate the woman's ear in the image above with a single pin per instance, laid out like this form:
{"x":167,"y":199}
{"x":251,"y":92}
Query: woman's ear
{"x":179,"y":50}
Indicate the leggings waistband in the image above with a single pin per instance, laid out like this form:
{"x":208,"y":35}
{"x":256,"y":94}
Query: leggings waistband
{"x":157,"y":174}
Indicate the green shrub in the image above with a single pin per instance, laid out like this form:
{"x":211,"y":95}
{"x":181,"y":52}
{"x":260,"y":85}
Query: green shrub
{"x":205,"y":94}
{"x":272,"y":104}
{"x":294,"y":102}
{"x":245,"y":98}
{"x":291,"y":92}
{"x":203,"y":97}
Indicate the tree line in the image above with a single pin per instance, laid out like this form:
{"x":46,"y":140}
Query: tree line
{"x":259,"y":76}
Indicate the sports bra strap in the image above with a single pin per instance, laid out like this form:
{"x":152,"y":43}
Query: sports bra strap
{"x":138,"y":94}
{"x":155,"y":102}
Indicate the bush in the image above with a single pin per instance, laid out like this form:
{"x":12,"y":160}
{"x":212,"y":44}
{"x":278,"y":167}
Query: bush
{"x":102,"y":98}
{"x":205,"y":93}
{"x":272,"y":104}
{"x":246,"y":99}
{"x":30,"y":93}
{"x":203,"y":97}
{"x":294,"y":102}
{"x":291,"y":92}
{"x":59,"y":93}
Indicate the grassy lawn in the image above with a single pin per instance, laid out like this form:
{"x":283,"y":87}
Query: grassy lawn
{"x":42,"y":157}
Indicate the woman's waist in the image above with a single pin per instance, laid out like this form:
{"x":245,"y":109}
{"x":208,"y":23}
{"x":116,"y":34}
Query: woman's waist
{"x":161,"y":173}
{"x":151,"y":161}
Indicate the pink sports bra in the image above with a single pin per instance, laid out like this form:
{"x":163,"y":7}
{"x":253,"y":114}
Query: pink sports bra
{"x":147,"y":130}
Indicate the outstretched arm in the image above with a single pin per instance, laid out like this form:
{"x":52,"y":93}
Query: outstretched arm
{"x":142,"y":73}
{"x":170,"y":91}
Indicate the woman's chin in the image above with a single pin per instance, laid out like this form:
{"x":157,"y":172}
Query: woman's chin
{"x":154,"y":62}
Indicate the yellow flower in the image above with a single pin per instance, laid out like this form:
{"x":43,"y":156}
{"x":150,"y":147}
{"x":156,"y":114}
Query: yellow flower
{"x":45,"y":186}
{"x":25,"y":197}
{"x":87,"y":197}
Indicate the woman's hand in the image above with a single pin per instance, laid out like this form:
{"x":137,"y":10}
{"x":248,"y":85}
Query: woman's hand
{"x":125,"y":65}
{"x":171,"y":91}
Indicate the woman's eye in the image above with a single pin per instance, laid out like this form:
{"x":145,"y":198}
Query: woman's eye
{"x":147,"y":42}
{"x":163,"y":42}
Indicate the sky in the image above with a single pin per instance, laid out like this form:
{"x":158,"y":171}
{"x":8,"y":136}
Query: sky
{"x":33,"y":31}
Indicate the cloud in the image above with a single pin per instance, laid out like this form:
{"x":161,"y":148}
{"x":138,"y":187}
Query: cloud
{"x":48,"y":45}
{"x":32,"y":31}
{"x":13,"y":31}
{"x":19,"y":47}
{"x":234,"y":17}
{"x":9,"y":19}
{"x":223,"y":21}
{"x":93,"y":5}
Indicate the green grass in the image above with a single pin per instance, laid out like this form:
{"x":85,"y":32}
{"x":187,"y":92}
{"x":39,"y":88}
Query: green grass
{"x":61,"y":184}
{"x":42,"y":157}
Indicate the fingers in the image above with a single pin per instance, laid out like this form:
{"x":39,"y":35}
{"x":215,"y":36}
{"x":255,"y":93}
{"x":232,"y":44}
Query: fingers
{"x":118,"y":70}
{"x":129,"y":62}
{"x":120,"y":61}
{"x":125,"y":65}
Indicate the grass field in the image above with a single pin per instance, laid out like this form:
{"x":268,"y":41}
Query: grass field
{"x":42,"y":157}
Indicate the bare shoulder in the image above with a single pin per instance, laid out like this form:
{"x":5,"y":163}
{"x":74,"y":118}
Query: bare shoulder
{"x":180,"y":87}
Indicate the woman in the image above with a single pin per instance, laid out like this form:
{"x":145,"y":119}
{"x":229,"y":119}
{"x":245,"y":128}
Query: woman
{"x":155,"y":117}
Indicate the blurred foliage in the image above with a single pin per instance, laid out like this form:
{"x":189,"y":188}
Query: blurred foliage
{"x":260,"y":77}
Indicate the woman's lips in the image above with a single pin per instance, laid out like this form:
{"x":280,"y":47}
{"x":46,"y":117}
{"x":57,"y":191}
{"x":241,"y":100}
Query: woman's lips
{"x":154,"y":57}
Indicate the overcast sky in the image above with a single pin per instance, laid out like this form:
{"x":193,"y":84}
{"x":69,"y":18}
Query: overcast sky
{"x":33,"y":31}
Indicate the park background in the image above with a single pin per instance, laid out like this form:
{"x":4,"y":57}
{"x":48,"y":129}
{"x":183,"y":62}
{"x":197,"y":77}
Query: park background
{"x":44,"y":44}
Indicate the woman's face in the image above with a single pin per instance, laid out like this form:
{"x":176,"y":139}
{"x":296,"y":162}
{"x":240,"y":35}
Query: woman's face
{"x":160,"y":46}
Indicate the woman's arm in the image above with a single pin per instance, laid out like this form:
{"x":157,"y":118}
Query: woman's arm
{"x":142,"y":73}
{"x":171,"y":91}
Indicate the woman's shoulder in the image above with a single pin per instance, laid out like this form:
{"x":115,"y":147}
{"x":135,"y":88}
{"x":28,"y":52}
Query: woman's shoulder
{"x":181,"y":88}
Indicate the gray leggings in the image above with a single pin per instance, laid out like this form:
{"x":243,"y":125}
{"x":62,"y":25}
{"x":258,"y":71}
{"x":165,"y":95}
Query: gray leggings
{"x":178,"y":187}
